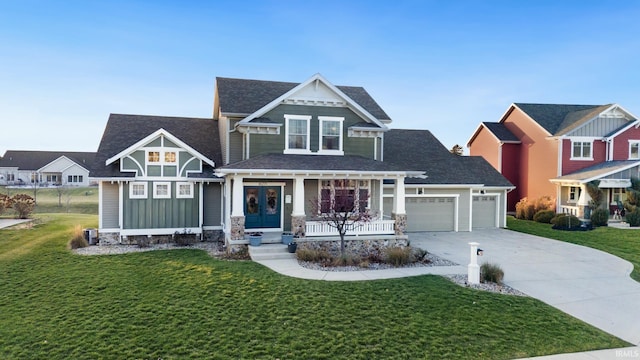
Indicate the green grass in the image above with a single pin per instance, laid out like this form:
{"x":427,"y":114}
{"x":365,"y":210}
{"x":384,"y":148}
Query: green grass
{"x":624,"y":243}
{"x":82,"y":200}
{"x":183,"y":304}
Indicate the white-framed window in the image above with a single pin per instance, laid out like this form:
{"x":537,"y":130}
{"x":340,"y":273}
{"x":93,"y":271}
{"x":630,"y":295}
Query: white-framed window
{"x":574,"y":194}
{"x":138,"y":190}
{"x":170,"y":157}
{"x":330,"y":135}
{"x":581,"y":150}
{"x":345,"y":194}
{"x":153,"y":156}
{"x":618,"y":195}
{"x":161,"y":190}
{"x":634,"y":149}
{"x":52,"y":178}
{"x":184,"y":190}
{"x":75,"y":178}
{"x":297,"y":131}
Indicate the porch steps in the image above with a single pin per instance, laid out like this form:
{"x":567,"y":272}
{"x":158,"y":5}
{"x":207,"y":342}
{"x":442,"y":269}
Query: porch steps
{"x":270,"y":252}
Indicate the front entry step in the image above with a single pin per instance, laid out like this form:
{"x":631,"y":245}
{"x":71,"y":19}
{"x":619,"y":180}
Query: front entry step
{"x":270,"y":252}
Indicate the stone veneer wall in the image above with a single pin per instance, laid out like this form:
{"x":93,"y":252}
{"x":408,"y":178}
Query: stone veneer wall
{"x":363,"y":248}
{"x":401,"y":223}
{"x":237,"y":227}
{"x":113,"y":238}
{"x":298,"y":224}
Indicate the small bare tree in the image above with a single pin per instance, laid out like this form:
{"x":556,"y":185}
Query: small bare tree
{"x":343,"y":207}
{"x":457,"y":150}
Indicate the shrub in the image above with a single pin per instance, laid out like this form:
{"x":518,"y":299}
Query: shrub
{"x":544,"y":216}
{"x":527,"y":208}
{"x":633,"y":218}
{"x":398,"y":256}
{"x":491,"y":273}
{"x":599,"y":217}
{"x":5,"y":203}
{"x":346,"y":260}
{"x":77,"y":240}
{"x":565,"y":221}
{"x":23,"y":204}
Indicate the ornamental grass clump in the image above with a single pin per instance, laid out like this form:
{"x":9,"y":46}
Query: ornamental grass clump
{"x":398,"y":256}
{"x":77,"y":240}
{"x":491,"y":273}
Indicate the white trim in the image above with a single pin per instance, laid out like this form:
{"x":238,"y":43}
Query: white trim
{"x":159,"y":231}
{"x":42,"y":169}
{"x":156,"y":184}
{"x":317,"y":77}
{"x":100,"y":204}
{"x":182,"y":196}
{"x":631,"y":143}
{"x":582,"y":141}
{"x":559,"y":160}
{"x":145,"y":190}
{"x":322,"y":173}
{"x":582,"y":181}
{"x":321,"y":120}
{"x":307,"y":119}
{"x":120,"y":204}
{"x":153,"y":136}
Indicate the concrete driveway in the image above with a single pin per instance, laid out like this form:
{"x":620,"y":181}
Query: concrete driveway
{"x":588,"y":284}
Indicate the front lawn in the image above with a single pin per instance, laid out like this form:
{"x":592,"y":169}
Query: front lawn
{"x":624,"y":243}
{"x":183,"y":304}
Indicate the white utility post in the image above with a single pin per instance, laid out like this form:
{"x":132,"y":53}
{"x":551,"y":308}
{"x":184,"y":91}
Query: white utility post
{"x":474,"y":268}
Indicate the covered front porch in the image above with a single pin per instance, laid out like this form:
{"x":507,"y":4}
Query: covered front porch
{"x":612,"y":178}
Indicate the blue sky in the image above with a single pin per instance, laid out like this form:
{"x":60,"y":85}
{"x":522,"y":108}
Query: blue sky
{"x":444,"y":66}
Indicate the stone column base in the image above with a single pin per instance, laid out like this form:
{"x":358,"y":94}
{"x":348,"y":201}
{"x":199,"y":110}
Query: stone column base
{"x":298,"y":225}
{"x":401,"y":223}
{"x":237,"y":228}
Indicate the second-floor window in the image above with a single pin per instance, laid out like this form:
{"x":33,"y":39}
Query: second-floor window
{"x":634,"y":150}
{"x":331,"y":134}
{"x":581,"y":150}
{"x":297,"y":134}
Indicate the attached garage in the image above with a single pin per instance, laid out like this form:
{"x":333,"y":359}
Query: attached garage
{"x":484,"y":211}
{"x":428,"y":213}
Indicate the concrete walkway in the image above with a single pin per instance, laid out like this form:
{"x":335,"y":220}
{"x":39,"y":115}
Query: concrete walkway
{"x":588,"y":284}
{"x":10,"y":222}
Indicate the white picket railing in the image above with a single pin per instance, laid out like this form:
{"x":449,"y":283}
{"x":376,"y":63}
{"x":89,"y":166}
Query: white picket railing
{"x":376,"y":227}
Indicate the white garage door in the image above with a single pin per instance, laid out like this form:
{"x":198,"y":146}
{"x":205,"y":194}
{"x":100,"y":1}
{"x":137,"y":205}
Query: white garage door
{"x":484,"y":212}
{"x":430,"y":213}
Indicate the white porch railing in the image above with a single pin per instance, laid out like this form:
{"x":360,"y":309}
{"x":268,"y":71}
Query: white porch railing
{"x":571,"y":210}
{"x":375,"y":227}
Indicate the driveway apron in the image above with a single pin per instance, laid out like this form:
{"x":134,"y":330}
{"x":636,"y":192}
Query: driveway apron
{"x":588,"y":284}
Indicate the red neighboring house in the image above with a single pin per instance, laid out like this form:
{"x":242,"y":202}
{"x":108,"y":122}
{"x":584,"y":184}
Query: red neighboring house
{"x":555,"y":150}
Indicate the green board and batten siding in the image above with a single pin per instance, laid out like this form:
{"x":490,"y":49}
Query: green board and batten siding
{"x":153,"y":213}
{"x":264,"y":144}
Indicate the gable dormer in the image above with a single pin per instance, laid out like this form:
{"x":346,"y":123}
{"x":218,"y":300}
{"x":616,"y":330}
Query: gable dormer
{"x":160,"y":155}
{"x":314,"y":117}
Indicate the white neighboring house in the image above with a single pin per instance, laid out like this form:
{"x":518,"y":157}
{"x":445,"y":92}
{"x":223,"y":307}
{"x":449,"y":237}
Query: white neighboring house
{"x":45,"y":168}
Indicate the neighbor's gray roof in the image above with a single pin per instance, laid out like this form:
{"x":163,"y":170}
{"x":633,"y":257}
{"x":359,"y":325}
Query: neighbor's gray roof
{"x":501,"y":132}
{"x":34,"y":160}
{"x":243,"y":96}
{"x":420,"y":150}
{"x":122,"y":131}
{"x":599,"y":170}
{"x":292,"y":162}
{"x":558,"y":119}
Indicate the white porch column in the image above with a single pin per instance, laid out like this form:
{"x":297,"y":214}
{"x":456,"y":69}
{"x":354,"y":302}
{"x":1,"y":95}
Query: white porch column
{"x":237,"y":207}
{"x":398,"y":196}
{"x":298,"y":196}
{"x":399,"y":212}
